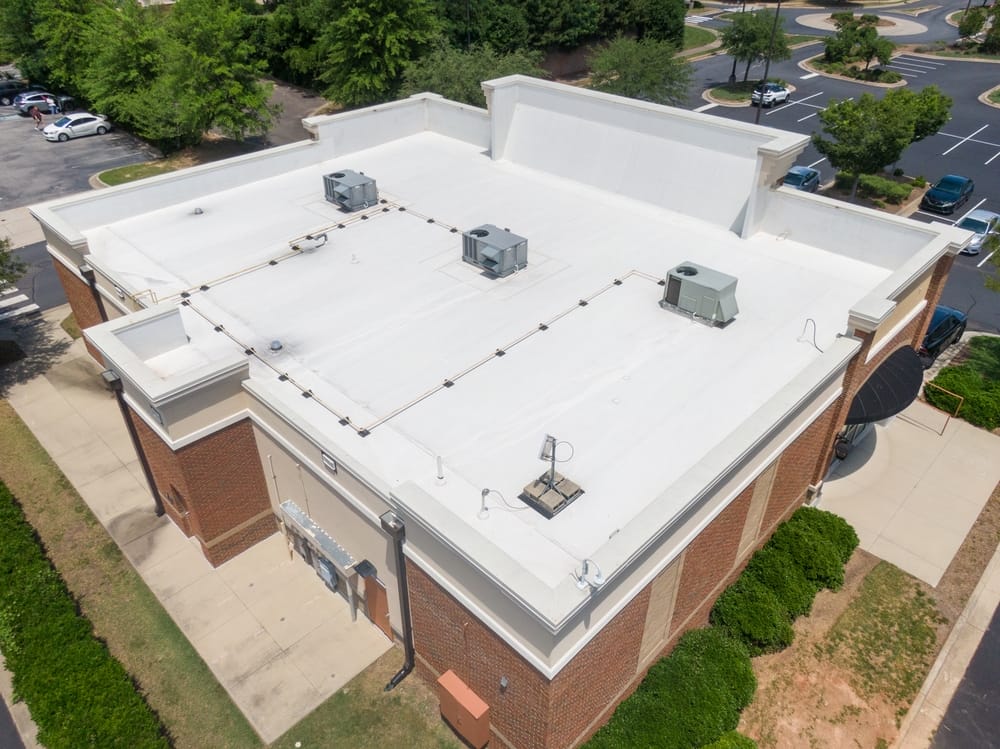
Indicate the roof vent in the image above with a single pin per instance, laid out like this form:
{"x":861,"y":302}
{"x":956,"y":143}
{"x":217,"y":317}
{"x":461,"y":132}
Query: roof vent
{"x":494,"y":250}
{"x":352,"y":191}
{"x":702,"y":293}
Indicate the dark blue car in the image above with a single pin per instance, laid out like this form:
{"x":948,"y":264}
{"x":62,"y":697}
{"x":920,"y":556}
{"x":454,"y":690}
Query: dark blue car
{"x":946,"y":328}
{"x":949,"y":193}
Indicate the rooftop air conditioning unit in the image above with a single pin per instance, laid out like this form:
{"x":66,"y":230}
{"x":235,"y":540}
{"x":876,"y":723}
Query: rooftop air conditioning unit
{"x":494,"y":250}
{"x":352,"y":191}
{"x":702,"y":293}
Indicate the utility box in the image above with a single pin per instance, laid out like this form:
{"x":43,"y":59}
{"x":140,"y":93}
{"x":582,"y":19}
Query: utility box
{"x":495,"y":250}
{"x":352,"y":191}
{"x":465,"y":712}
{"x":702,"y":293}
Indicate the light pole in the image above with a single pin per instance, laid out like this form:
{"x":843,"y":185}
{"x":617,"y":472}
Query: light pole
{"x":767,"y":61}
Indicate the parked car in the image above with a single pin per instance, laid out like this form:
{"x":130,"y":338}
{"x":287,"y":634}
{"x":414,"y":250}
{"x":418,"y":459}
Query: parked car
{"x":802,"y":178}
{"x":946,"y":328}
{"x":950,"y":192}
{"x":76,"y":125}
{"x":9,"y":88}
{"x":982,"y":224}
{"x":769,"y":94}
{"x":25,"y":101}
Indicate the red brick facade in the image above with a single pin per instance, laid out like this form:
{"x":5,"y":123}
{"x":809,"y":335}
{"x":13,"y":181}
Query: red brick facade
{"x":213,"y":489}
{"x":81,"y":301}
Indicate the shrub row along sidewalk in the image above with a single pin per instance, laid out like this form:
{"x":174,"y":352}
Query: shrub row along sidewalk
{"x":694,"y":696}
{"x":78,"y":694}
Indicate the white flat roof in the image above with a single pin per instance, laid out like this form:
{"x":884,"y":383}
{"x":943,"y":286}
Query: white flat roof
{"x":375,"y":321}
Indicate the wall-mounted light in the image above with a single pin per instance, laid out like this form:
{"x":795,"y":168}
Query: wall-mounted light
{"x":503,"y":683}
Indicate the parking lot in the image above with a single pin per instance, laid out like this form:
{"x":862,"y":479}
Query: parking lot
{"x":969,"y":144}
{"x":35,"y":170}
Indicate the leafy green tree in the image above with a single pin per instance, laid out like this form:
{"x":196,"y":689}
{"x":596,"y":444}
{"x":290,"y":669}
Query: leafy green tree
{"x":660,"y":19}
{"x":126,"y":57}
{"x":11,"y":267}
{"x":748,"y":38}
{"x":929,"y":108}
{"x":972,"y":22}
{"x":563,"y":23}
{"x":991,"y":42}
{"x":17,"y":37}
{"x":457,"y":74}
{"x":867,"y":133}
{"x":62,"y":29}
{"x":857,"y":39}
{"x":642,"y":69}
{"x":370,"y":44}
{"x":289,"y":37}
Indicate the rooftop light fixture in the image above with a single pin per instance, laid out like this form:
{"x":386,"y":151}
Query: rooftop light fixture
{"x":548,"y":452}
{"x":595,"y":582}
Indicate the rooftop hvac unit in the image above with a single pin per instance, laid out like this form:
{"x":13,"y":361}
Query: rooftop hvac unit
{"x":352,"y":191}
{"x":701,"y":292}
{"x":494,"y":250}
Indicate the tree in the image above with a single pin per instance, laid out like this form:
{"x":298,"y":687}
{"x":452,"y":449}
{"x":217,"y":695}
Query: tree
{"x":563,"y":23}
{"x":661,"y":19}
{"x":62,"y":29}
{"x":748,"y":38}
{"x":857,"y":39}
{"x":457,"y":75}
{"x":972,"y":22}
{"x":17,"y":37}
{"x":370,"y":43}
{"x":870,"y":133}
{"x":11,"y":267}
{"x":645,"y":69}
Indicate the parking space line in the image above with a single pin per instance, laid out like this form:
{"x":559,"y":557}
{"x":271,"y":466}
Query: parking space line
{"x":802,"y":102}
{"x":913,"y":63}
{"x":968,"y":211}
{"x":807,"y":76}
{"x":706,"y":107}
{"x":985,"y":260}
{"x":905,"y":75}
{"x":925,"y":213}
{"x":803,"y":119}
{"x":964,"y":140}
{"x":921,"y":61}
{"x":992,"y":157}
{"x":817,"y":162}
{"x":971,"y":140}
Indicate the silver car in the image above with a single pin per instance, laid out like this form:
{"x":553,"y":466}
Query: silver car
{"x":982,"y":224}
{"x":76,"y":124}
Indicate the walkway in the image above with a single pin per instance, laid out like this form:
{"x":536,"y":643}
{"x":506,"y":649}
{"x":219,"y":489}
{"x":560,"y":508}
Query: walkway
{"x":275,"y":637}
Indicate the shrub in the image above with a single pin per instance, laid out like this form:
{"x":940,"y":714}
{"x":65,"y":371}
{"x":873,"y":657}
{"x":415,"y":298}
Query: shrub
{"x":817,"y":556}
{"x":982,"y":395}
{"x":750,"y":612}
{"x":779,"y":572}
{"x":78,"y":694}
{"x":919,"y":182}
{"x":897,"y":172}
{"x":732,"y":740}
{"x":832,"y":527}
{"x":874,"y":186}
{"x":844,"y":181}
{"x":690,"y":698}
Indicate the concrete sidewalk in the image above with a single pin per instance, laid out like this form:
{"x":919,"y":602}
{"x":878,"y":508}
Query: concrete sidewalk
{"x":20,"y":227}
{"x":275,"y":637}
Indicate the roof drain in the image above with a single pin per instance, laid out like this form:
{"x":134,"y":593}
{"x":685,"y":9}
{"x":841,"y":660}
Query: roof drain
{"x":394,"y":526}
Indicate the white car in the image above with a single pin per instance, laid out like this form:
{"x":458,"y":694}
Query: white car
{"x":982,"y":224}
{"x":769,"y":94}
{"x":77,"y":124}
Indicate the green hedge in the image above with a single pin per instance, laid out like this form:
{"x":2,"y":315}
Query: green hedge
{"x":732,"y":740}
{"x":690,"y":698}
{"x":78,"y":694}
{"x":779,"y":572}
{"x":749,"y":611}
{"x":832,"y":527}
{"x":977,"y":380}
{"x":874,"y":186}
{"x":816,"y":555}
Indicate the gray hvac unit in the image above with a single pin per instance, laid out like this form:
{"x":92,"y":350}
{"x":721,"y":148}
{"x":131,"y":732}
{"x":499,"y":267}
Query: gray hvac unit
{"x":701,"y":292}
{"x":352,"y":191}
{"x":494,"y":250}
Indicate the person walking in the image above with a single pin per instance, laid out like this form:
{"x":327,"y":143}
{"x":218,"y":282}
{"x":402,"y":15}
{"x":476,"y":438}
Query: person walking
{"x":36,"y":115}
{"x":52,"y":104}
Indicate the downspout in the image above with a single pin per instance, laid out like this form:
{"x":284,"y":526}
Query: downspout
{"x":114,"y":383}
{"x":393,"y":525}
{"x":91,"y":278}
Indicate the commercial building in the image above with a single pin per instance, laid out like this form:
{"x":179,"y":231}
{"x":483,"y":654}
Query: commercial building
{"x":554,"y":369}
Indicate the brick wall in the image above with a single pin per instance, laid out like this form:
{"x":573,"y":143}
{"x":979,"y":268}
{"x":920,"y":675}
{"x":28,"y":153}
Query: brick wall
{"x":213,"y":489}
{"x":81,"y":301}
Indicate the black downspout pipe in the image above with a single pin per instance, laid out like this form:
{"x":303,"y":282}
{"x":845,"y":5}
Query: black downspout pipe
{"x":393,"y":525}
{"x":114,"y":382}
{"x":91,"y":278}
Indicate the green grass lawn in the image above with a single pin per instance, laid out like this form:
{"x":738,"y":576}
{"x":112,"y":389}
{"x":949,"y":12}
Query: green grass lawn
{"x":735,"y":92}
{"x":976,"y":382}
{"x":995,"y":96}
{"x":696,"y":37}
{"x":169,"y":672}
{"x":122,"y":174}
{"x":887,"y":636}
